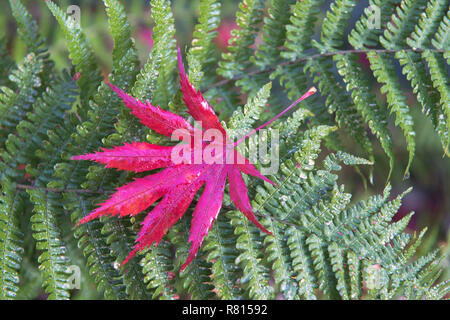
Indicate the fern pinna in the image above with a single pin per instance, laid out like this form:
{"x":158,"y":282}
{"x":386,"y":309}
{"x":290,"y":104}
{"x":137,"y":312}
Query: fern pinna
{"x":320,"y":244}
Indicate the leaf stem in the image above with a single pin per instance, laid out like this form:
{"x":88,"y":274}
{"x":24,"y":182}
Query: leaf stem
{"x":309,"y":93}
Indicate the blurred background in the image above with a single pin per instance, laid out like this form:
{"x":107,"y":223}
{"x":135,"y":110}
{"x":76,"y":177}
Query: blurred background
{"x":430,"y":171}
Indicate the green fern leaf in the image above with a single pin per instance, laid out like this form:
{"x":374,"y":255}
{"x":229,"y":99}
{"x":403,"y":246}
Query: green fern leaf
{"x":196,"y":278}
{"x":6,"y":64}
{"x":203,"y":50}
{"x":384,"y":70}
{"x":273,"y":33}
{"x":237,"y":60}
{"x":80,"y":52}
{"x":15,"y":103}
{"x":222,"y":252}
{"x":250,"y":243}
{"x":158,"y":267}
{"x":333,"y":27}
{"x":164,"y":51}
{"x":48,"y":112}
{"x":302,"y":263}
{"x":11,"y":250}
{"x":365,"y":103}
{"x":53,"y":261}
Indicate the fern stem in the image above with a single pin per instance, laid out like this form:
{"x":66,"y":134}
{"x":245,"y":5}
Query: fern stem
{"x":317,"y":56}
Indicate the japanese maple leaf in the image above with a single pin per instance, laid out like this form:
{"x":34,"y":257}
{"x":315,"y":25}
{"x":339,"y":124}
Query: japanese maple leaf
{"x":177,"y":184}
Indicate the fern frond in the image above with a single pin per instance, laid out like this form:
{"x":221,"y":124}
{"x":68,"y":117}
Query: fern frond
{"x":293,"y":79}
{"x":164,"y":51}
{"x":321,"y":69}
{"x":100,"y":261}
{"x":99,"y":124}
{"x":11,"y":250}
{"x":365,"y":103}
{"x":415,"y":70}
{"x":439,"y":291}
{"x":337,"y":249}
{"x":347,"y":115}
{"x":6,"y":64}
{"x":243,"y":119}
{"x":365,"y":34}
{"x":324,"y":245}
{"x":438,"y":71}
{"x":301,"y":28}
{"x":146,"y":80}
{"x":441,"y":39}
{"x":364,"y":233}
{"x":277,"y":253}
{"x":302,"y":263}
{"x":15,"y":103}
{"x":355,"y":273}
{"x":237,"y":60}
{"x":27,"y":27}
{"x":47,"y":113}
{"x":20,"y":149}
{"x":120,"y":30}
{"x":428,"y":25}
{"x":120,"y":234}
{"x":414,"y":67}
{"x":286,"y":200}
{"x":196,"y":278}
{"x":222,"y":252}
{"x":273,"y":33}
{"x":384,"y":70}
{"x":50,"y":154}
{"x":318,"y":218}
{"x":80,"y":52}
{"x":297,"y":43}
{"x":290,"y":133}
{"x":120,"y":238}
{"x":292,"y":199}
{"x":402,"y":23}
{"x":99,"y":115}
{"x":158,"y":269}
{"x":298,"y":34}
{"x":333,"y":27}
{"x":123,"y":53}
{"x":202,"y":50}
{"x":338,"y":257}
{"x":323,"y":265}
{"x":411,"y":279}
{"x":53,"y":260}
{"x":250,"y":243}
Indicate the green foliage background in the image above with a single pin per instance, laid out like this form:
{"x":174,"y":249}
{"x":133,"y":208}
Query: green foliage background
{"x":328,"y":243}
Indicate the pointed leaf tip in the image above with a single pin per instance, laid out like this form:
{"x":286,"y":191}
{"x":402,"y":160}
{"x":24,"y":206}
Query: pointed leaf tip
{"x":180,"y":61}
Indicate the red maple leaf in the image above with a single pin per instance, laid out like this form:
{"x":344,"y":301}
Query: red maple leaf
{"x":178,"y":183}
